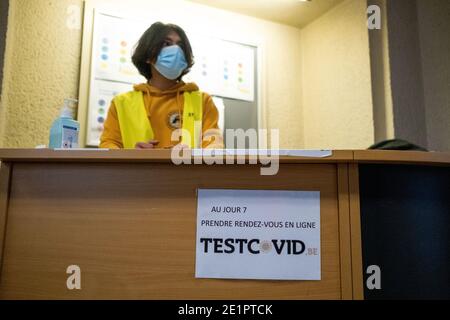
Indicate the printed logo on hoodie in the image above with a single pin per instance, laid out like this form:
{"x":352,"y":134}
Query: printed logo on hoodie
{"x":173,"y":120}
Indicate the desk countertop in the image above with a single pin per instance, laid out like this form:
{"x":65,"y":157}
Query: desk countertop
{"x":163,"y":155}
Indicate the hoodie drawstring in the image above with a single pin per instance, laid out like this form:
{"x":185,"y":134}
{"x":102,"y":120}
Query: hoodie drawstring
{"x":179,"y":108}
{"x":149,"y":102}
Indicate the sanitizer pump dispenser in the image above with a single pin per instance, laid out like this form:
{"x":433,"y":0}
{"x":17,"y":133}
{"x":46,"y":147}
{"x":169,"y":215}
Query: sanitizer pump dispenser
{"x":64,"y":131}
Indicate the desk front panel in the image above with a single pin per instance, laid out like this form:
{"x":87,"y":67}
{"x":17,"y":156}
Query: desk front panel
{"x":131,"y":228}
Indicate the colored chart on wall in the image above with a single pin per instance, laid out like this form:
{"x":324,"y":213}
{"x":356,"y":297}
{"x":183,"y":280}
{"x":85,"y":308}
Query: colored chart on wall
{"x":222,"y":68}
{"x":102,"y":93}
{"x":114,"y":40}
{"x":112,"y":71}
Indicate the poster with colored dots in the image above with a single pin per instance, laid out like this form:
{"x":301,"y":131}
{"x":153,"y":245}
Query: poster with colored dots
{"x":103,"y":92}
{"x":223,"y":68}
{"x":113,"y":44}
{"x":112,"y":71}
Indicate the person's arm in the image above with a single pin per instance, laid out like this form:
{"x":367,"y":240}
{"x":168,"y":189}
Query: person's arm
{"x":111,"y":137}
{"x":212,"y":136}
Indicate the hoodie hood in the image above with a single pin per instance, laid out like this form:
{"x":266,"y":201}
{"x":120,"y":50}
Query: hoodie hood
{"x":176,"y":89}
{"x":152,"y":94}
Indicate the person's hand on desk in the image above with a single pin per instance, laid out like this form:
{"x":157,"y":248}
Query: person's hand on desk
{"x":147,"y":145}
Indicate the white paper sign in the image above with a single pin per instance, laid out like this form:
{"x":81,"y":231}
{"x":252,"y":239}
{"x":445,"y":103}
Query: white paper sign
{"x":258,"y":234}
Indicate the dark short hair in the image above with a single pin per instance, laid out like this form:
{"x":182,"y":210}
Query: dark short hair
{"x":151,"y":43}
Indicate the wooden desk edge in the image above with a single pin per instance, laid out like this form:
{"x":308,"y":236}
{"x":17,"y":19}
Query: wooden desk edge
{"x":157,"y":155}
{"x":401,"y":157}
{"x":163,"y":156}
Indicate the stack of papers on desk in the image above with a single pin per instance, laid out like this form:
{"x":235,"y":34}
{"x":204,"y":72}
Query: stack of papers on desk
{"x":263,"y":152}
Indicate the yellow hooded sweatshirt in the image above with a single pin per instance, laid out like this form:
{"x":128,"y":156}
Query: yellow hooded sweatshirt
{"x":164,"y":111}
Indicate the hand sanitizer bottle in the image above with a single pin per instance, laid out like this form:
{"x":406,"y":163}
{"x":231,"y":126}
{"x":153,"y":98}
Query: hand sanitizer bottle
{"x":64,"y":131}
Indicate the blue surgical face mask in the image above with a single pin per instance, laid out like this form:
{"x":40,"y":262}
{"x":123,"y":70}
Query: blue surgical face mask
{"x":171,"y":62}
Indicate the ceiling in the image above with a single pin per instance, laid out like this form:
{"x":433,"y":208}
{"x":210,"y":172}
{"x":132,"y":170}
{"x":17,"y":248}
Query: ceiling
{"x":295,"y":13}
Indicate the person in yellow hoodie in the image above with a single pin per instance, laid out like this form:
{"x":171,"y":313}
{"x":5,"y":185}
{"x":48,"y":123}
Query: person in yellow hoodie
{"x":148,"y":116}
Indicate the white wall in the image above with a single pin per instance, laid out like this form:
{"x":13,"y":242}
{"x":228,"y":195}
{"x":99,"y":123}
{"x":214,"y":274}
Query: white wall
{"x":336,"y":85}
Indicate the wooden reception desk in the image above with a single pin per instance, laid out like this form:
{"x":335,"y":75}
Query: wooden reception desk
{"x":128,"y":220}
